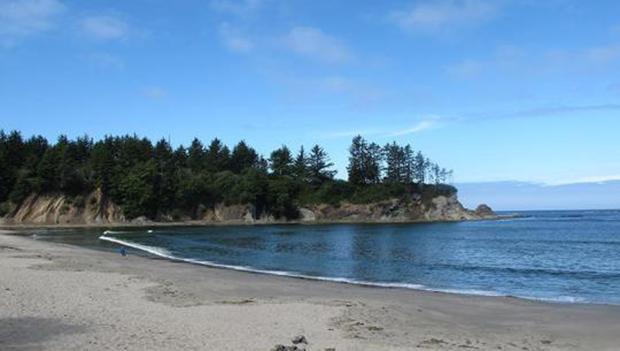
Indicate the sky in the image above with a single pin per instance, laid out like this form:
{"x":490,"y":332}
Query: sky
{"x":497,"y":90}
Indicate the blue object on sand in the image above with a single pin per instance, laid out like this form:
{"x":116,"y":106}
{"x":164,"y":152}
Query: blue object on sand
{"x":123,"y":251}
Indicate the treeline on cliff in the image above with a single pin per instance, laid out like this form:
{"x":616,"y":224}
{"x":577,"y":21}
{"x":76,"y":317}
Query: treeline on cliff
{"x":155,"y":180}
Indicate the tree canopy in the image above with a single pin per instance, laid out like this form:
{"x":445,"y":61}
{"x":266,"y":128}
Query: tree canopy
{"x":153,"y":180}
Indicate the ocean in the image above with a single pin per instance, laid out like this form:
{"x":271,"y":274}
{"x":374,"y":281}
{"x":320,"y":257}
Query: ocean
{"x":561,"y":256}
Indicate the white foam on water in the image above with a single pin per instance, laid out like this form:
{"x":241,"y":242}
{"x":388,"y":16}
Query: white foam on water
{"x":161,"y":252}
{"x":155,"y":250}
{"x":560,"y":299}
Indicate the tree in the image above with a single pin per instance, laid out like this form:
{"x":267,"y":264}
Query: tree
{"x":374,"y":161}
{"x":395,"y":164}
{"x":365,"y":162}
{"x":407,"y":165}
{"x":357,"y":161}
{"x":243,"y":157}
{"x":217,"y":157}
{"x":300,"y":165}
{"x":166,"y":180}
{"x":152,"y":180}
{"x":420,"y":166}
{"x":318,"y":165}
{"x":281,"y":195}
{"x":139,"y":195}
{"x":196,"y":156}
{"x":281,"y":161}
{"x":102,"y":163}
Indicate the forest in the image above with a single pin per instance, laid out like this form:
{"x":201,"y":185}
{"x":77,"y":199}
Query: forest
{"x":156,"y":180}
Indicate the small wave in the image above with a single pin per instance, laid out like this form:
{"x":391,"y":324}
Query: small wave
{"x":161,"y":252}
{"x":116,"y":232}
{"x":112,"y":232}
{"x":558,"y":299}
{"x":158,"y":251}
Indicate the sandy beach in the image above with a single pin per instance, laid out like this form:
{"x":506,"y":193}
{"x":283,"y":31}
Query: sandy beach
{"x":60,"y":297}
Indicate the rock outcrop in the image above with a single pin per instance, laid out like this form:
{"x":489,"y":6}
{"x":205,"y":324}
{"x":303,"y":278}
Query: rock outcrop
{"x":484,"y":211}
{"x":59,"y":209}
{"x":96,"y":209}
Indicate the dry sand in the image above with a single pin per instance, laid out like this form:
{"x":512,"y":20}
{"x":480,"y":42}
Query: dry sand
{"x":60,"y":297}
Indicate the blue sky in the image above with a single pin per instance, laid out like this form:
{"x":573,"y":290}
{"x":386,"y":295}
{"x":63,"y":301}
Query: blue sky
{"x":495,"y":89}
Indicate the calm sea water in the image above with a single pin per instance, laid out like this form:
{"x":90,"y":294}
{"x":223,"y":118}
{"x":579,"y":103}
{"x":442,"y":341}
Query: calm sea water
{"x":565,"y":256}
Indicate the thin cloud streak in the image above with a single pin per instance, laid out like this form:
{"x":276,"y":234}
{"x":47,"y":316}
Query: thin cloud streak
{"x":105,"y":27}
{"x":421,"y":126}
{"x":382,"y":133}
{"x":22,"y":18}
{"x":314,"y":43}
{"x":443,"y":15}
{"x":534,"y":112}
{"x":234,"y":40}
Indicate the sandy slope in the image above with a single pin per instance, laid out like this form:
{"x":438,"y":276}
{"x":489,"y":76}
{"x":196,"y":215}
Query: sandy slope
{"x":58,"y":297}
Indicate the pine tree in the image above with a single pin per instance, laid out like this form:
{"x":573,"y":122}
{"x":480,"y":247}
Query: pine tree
{"x":281,"y":161}
{"x":420,"y":168}
{"x":243,"y":157}
{"x":196,"y":156}
{"x":217,"y":156}
{"x":300,"y":166}
{"x":357,"y":161}
{"x":318,"y":165}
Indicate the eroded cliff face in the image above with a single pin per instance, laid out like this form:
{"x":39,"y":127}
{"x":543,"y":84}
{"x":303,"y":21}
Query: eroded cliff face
{"x":95,"y":209}
{"x":440,"y":208}
{"x":59,"y":209}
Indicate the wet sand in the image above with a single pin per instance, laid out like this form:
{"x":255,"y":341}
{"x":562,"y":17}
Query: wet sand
{"x":61,"y":297}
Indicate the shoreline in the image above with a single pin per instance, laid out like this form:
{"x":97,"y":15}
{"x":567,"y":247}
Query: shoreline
{"x":27,"y":226}
{"x":151,"y":253}
{"x":79,"y":287}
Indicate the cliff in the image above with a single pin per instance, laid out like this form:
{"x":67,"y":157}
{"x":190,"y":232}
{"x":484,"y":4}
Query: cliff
{"x":92,"y":209}
{"x":96,"y":209}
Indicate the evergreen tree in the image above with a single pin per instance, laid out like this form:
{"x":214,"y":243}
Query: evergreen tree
{"x":394,"y":158}
{"x":196,"y":159}
{"x":318,"y":165}
{"x":373,"y":165}
{"x":365,"y":162}
{"x":357,"y":161}
{"x":407,"y":164}
{"x":281,"y":162}
{"x":420,"y":166}
{"x":300,"y":166}
{"x":218,"y":156}
{"x":243,"y":157}
{"x":157,"y":182}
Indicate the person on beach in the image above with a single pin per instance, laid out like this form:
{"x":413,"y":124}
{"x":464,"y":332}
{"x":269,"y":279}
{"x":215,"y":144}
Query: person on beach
{"x":123,"y":251}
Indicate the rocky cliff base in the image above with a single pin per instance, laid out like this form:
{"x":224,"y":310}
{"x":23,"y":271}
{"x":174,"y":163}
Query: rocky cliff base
{"x":96,"y":209}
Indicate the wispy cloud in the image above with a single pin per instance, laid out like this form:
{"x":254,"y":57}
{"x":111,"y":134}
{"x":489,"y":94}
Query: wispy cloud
{"x":105,"y":27}
{"x":614,"y":88}
{"x":154,"y":92}
{"x":589,"y":179}
{"x":510,"y":60}
{"x":559,"y":110}
{"x":234,"y":39}
{"x":23,"y":18}
{"x":237,"y":7}
{"x":466,"y":69}
{"x":418,"y":127}
{"x":604,"y":54}
{"x":314,"y":43}
{"x":105,"y":60}
{"x":442,"y":15}
{"x":536,"y":112}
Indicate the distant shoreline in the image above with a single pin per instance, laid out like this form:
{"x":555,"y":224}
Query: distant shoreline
{"x":236,"y":223}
